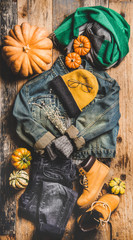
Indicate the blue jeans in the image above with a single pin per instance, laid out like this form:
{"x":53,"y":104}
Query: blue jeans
{"x":49,"y":199}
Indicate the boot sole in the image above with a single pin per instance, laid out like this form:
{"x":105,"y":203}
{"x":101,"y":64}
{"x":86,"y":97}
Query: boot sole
{"x":95,"y":198}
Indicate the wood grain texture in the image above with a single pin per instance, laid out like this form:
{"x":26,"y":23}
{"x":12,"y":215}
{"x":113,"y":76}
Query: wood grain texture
{"x":8,"y":18}
{"x":62,"y":9}
{"x":22,"y":11}
{"x":50,"y":13}
{"x":40,"y":14}
{"x":122,"y":165}
{"x":91,"y":3}
{"x":37,"y":13}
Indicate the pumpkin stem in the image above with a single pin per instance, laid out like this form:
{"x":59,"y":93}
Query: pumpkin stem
{"x":81,"y":45}
{"x":72,"y":60}
{"x":26,"y":48}
{"x":24,"y":160}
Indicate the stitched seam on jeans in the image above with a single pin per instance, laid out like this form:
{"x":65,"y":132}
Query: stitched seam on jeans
{"x":100,"y":116}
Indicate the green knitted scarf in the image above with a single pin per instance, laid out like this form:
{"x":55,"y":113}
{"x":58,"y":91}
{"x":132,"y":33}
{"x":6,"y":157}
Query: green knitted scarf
{"x":119,"y":29}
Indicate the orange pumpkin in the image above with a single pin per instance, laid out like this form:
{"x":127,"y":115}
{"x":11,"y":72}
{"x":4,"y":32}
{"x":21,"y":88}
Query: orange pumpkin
{"x":21,"y":158}
{"x":73,"y":60}
{"x":27,"y":50}
{"x":82,"y":45}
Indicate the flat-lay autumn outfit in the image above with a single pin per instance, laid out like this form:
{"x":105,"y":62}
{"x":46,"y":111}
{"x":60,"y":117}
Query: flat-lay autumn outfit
{"x":97,"y":123}
{"x":67,"y":115}
{"x":49,"y":192}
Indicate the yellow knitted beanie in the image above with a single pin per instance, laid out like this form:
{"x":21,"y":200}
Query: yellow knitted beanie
{"x":83,"y":86}
{"x":75,"y":90}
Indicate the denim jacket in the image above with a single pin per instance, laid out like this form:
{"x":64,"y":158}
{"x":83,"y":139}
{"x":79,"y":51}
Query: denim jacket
{"x":97,"y":123}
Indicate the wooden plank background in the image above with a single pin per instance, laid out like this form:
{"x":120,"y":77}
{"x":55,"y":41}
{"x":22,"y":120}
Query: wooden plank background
{"x":50,"y":13}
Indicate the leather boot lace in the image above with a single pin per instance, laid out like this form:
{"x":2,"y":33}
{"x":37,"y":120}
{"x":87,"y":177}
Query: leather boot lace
{"x":106,"y":206}
{"x":83,"y":179}
{"x":103,"y":222}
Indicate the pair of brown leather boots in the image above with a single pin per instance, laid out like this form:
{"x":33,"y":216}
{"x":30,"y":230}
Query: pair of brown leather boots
{"x":93,"y":174}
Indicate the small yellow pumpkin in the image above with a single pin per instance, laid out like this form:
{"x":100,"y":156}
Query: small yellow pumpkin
{"x":21,"y":158}
{"x":19,"y":179}
{"x":117,"y":186}
{"x":27,"y":50}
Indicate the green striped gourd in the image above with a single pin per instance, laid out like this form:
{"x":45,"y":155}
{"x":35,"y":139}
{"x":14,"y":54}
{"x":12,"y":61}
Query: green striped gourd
{"x":19,"y":179}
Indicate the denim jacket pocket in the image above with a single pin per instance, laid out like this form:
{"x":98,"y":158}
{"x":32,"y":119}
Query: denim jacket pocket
{"x":43,"y":100}
{"x":46,"y":107}
{"x":41,"y":105}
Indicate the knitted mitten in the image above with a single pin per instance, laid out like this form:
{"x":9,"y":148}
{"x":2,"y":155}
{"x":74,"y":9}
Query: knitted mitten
{"x":64,"y":146}
{"x":61,"y":146}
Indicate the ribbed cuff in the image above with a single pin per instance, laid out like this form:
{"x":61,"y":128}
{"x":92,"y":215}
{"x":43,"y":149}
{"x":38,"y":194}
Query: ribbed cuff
{"x":79,"y":142}
{"x":72,"y":133}
{"x":44,"y":141}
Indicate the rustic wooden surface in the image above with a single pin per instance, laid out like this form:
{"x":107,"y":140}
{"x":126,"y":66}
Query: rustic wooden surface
{"x":50,"y":13}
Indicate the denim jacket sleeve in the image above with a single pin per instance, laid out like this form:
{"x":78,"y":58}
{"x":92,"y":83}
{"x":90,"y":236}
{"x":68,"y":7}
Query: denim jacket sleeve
{"x":102,"y":115}
{"x":28,"y":128}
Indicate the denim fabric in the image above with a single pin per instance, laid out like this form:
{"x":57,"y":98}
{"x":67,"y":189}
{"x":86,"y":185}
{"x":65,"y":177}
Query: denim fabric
{"x":97,"y":123}
{"x":49,"y":199}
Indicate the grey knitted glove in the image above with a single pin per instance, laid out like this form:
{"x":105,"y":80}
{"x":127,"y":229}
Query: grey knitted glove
{"x":64,"y":146}
{"x":61,"y":146}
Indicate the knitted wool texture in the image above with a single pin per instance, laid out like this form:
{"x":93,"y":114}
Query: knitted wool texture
{"x":75,"y":90}
{"x":107,"y":52}
{"x":81,"y":97}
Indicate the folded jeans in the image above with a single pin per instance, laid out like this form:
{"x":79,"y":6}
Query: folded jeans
{"x":49,"y":199}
